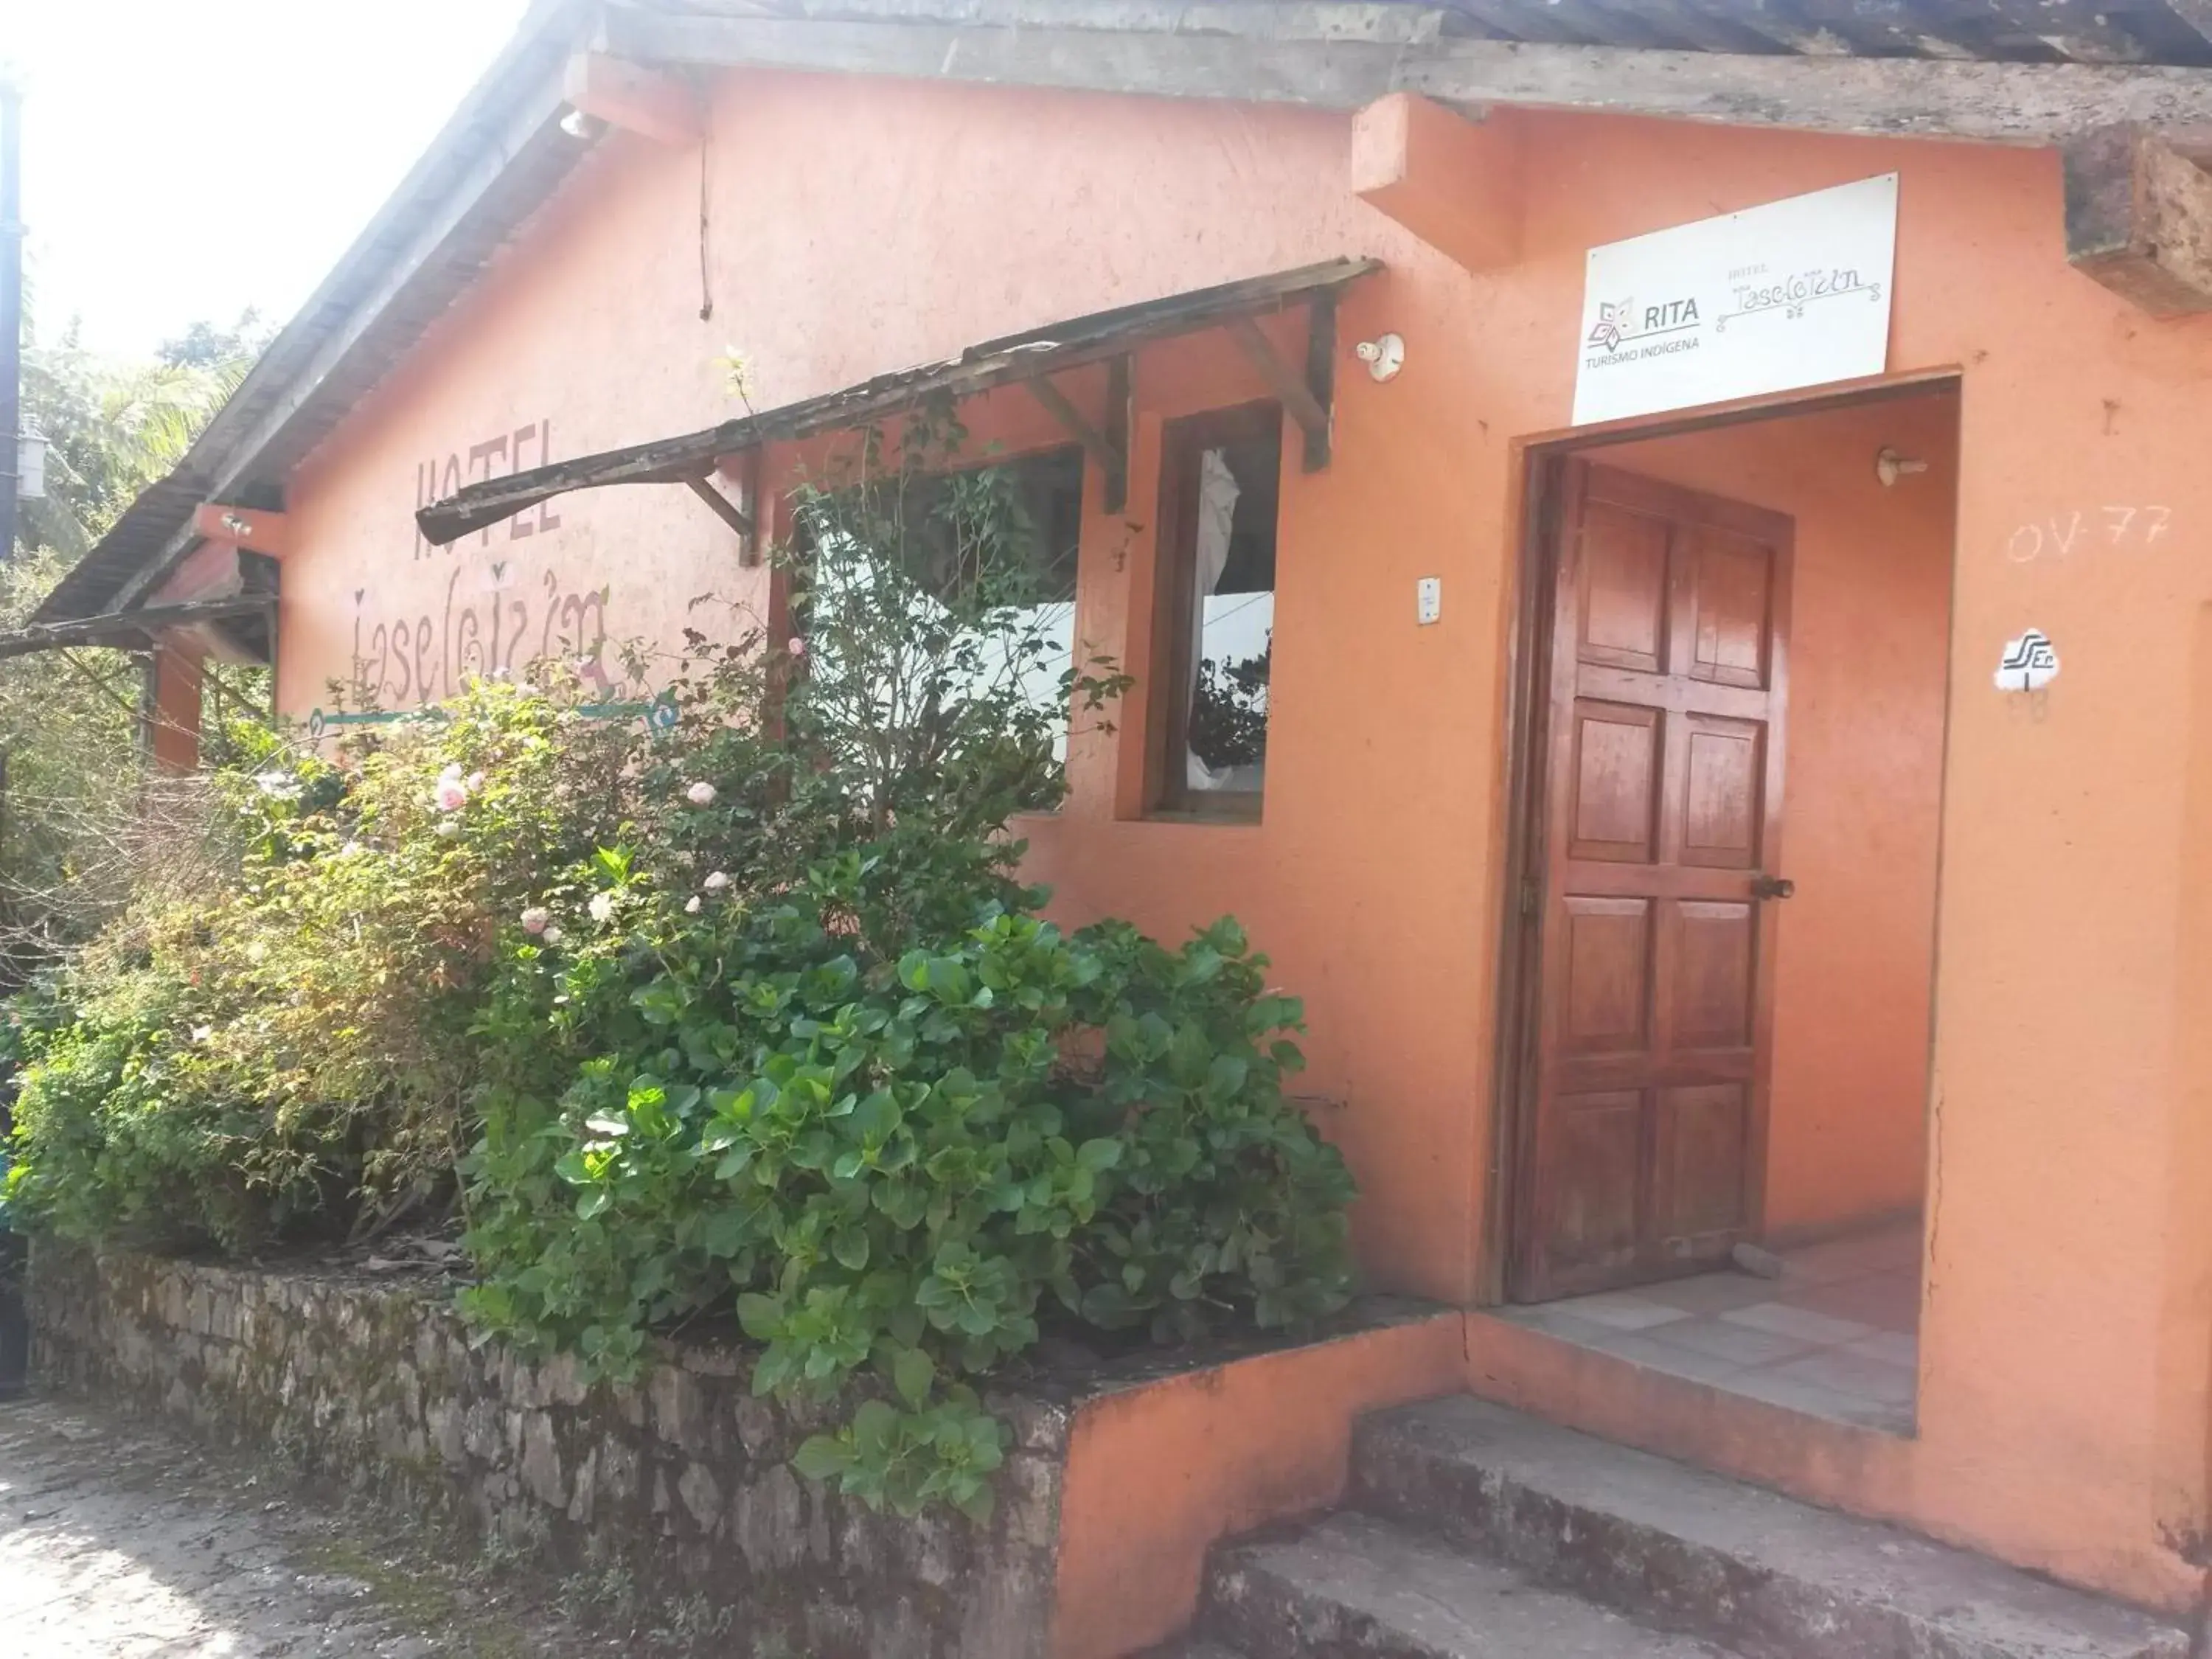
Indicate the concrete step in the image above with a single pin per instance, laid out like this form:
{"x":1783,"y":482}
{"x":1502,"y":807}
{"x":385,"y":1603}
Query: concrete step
{"x":1682,"y":1549}
{"x":1350,"y":1584}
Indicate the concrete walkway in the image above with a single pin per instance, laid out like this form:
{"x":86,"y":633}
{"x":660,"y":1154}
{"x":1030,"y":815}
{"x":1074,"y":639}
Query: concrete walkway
{"x":121,"y":1542}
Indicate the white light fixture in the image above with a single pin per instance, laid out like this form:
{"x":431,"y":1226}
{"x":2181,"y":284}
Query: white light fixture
{"x":577,"y":124}
{"x":1384,"y":355}
{"x":31,"y":466}
{"x":1889,"y":466}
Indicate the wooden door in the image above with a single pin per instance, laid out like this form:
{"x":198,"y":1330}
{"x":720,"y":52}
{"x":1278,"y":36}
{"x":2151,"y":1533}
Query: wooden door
{"x":1643,"y":1156}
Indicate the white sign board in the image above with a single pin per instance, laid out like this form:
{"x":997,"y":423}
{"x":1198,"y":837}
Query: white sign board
{"x":1794,"y":293}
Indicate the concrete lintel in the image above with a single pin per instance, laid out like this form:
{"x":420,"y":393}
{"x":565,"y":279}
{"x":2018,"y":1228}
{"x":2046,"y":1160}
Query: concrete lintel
{"x":1454,"y":183}
{"x":2139,"y":215}
{"x":635,"y":98}
{"x":240,"y":527}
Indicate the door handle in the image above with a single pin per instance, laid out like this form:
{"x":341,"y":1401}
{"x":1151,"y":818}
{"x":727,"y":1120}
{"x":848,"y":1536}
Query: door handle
{"x":1771,"y":887}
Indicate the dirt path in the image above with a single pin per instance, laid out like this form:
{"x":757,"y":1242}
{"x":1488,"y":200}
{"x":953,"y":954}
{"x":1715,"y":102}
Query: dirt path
{"x":119,"y":1541}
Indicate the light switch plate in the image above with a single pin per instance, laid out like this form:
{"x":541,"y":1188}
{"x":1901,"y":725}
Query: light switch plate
{"x":1428,"y":599}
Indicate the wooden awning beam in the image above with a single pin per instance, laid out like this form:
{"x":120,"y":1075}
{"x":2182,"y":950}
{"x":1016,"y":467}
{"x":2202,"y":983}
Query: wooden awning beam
{"x":1103,"y":336}
{"x":1110,"y":451}
{"x":722,"y":507}
{"x":1305,"y":402}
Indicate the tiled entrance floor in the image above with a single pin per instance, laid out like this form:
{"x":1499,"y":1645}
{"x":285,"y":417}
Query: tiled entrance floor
{"x":1836,"y":1336}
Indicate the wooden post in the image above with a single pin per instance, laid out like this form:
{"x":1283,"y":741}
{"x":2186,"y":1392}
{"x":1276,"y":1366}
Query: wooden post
{"x":172,"y":709}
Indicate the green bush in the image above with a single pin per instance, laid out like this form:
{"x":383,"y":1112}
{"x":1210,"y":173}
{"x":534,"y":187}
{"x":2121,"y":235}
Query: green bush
{"x":895,"y":1161}
{"x":747,"y":1016}
{"x":288,"y":1054}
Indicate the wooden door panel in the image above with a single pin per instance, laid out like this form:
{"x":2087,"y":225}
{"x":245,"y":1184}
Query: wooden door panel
{"x":1606,"y":1007}
{"x":1732,"y":577}
{"x":1724,"y":766}
{"x":1713,"y":954}
{"x":1703,"y":1144}
{"x":1600,"y":1154}
{"x":1618,"y":771}
{"x":1625,"y":603}
{"x":1642,"y":1148}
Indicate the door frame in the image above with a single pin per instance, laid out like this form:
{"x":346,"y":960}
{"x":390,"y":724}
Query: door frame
{"x":1534,"y":506}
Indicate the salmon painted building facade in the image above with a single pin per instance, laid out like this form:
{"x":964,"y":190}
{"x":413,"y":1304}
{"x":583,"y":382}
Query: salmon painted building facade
{"x":1779,"y":817}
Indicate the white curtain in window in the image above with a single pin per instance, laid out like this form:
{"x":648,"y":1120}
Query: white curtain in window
{"x":1218,"y":490}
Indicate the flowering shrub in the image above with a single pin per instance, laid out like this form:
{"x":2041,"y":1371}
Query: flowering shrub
{"x":752,"y":1018}
{"x":289,"y":1052}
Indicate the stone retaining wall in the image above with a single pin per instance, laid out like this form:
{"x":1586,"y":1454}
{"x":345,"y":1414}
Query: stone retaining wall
{"x":684,"y":1479}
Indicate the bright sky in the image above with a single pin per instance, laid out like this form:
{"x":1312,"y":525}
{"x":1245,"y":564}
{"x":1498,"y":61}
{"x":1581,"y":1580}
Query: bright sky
{"x":185,"y":159}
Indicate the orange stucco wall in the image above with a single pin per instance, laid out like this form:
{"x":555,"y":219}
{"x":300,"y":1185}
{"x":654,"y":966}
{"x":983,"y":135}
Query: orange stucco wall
{"x":1158,"y":1473}
{"x":1869,"y":631}
{"x":860,"y":224}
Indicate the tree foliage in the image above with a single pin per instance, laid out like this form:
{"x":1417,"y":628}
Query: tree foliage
{"x":80,"y":818}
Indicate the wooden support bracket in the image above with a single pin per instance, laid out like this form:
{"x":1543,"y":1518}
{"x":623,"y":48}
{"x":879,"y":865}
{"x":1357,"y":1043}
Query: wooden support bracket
{"x":1113,"y":458}
{"x":2139,"y":215}
{"x":722,"y":507}
{"x":1305,"y":397}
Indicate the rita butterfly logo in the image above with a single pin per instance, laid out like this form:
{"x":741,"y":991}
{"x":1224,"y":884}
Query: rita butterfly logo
{"x":1613,"y":317}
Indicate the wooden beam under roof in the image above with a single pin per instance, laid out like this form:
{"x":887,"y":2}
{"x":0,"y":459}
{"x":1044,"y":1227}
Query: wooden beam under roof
{"x":1996,"y":102}
{"x":132,"y":629}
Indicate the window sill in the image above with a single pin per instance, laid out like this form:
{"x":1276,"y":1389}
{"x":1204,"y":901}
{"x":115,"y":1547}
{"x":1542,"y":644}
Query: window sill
{"x":1240,"y":816}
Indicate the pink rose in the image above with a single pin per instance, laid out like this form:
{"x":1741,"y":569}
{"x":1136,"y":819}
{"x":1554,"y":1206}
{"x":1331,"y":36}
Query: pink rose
{"x":701,"y":793}
{"x":537,"y":919}
{"x":451,"y":794}
{"x":796,"y":646}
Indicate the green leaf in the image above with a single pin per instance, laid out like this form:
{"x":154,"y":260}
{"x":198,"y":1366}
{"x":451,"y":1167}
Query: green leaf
{"x":1099,"y":1155}
{"x":821,"y":1457}
{"x":761,"y":1316}
{"x":913,"y":1374}
{"x":734,"y":1162}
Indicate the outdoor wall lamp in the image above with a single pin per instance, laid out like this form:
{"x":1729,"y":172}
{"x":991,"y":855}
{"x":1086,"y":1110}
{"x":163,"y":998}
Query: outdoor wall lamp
{"x":1889,"y":466}
{"x":1384,"y":355}
{"x":577,"y":124}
